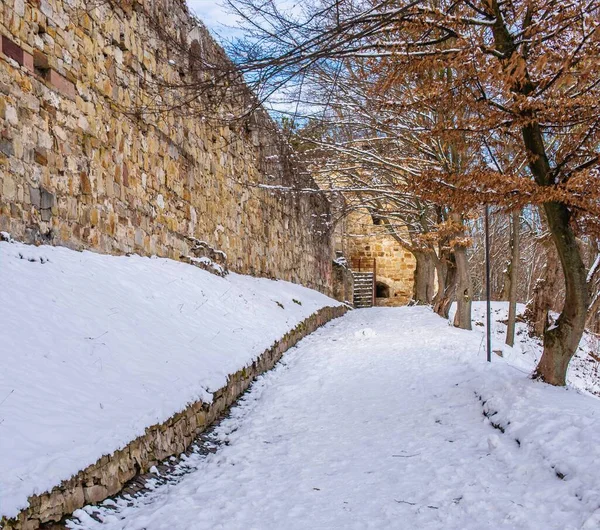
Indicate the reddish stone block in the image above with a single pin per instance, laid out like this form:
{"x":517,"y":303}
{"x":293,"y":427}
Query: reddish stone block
{"x":28,"y":61}
{"x":12,"y":50}
{"x":61,"y":84}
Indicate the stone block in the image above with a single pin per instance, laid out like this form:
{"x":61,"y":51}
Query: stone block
{"x":51,"y":506}
{"x":40,"y":156}
{"x":9,"y":188}
{"x":19,"y":7}
{"x":40,"y":60}
{"x":47,"y":199}
{"x":46,"y":8}
{"x":73,"y":498}
{"x":10,"y":115}
{"x":86,"y":185}
{"x":28,"y":61}
{"x":12,"y":50}
{"x":94,"y":494}
{"x":62,"y":84}
{"x":35,"y":197}
{"x":6,"y":147}
{"x":26,"y":523}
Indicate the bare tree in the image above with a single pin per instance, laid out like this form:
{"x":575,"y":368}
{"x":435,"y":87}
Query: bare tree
{"x":527,"y":74}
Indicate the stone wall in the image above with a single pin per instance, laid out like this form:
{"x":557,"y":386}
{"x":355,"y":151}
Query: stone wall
{"x":111,"y":472}
{"x":343,"y":281}
{"x":82,"y":164}
{"x":394,"y":264}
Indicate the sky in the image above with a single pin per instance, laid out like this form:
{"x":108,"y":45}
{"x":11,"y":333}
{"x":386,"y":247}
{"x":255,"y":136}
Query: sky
{"x":223,"y":23}
{"x":226,"y":27}
{"x":214,"y":15}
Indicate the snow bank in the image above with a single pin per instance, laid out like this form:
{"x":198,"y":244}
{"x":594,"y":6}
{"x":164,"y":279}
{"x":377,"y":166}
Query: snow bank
{"x":95,"y":348}
{"x":558,"y":426}
{"x":584,"y":368}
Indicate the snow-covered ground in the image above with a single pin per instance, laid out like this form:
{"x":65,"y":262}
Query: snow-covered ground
{"x":94,"y":349}
{"x":584,"y":368}
{"x":377,"y":421}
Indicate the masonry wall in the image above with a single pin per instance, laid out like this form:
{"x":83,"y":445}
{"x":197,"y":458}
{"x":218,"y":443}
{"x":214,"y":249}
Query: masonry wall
{"x":395,"y":265}
{"x":80,"y":167}
{"x":112,"y":472}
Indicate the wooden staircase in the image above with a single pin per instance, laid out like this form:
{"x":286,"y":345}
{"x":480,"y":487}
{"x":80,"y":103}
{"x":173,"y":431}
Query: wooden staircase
{"x":364,"y":285}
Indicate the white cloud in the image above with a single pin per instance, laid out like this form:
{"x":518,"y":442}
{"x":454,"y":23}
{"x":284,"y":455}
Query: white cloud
{"x":226,"y":27}
{"x":221,"y":21}
{"x":215,"y":16}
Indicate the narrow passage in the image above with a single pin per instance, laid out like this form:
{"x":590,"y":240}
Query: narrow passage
{"x":371,"y":422}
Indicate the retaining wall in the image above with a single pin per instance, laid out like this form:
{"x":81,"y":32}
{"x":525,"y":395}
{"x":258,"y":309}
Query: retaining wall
{"x":111,"y":472}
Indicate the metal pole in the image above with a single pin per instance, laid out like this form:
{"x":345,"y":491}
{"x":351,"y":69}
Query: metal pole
{"x":487,"y":283}
{"x":374,"y":280}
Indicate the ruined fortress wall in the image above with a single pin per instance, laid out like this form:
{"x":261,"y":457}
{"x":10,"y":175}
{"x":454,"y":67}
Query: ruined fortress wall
{"x":395,"y":264}
{"x":76,"y":170}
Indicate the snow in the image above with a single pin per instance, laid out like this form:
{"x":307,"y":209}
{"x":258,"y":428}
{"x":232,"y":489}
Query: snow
{"x":584,"y":368}
{"x":377,"y":421}
{"x":593,"y":269}
{"x":341,"y":261}
{"x":208,"y":263}
{"x":96,"y":348}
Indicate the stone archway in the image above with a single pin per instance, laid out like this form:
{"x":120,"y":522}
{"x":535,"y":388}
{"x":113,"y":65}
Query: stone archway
{"x":382,"y":290}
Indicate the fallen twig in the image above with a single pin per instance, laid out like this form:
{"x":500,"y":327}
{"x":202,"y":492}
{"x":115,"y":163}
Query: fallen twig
{"x":95,"y":338}
{"x":415,"y":504}
{"x":7,"y":396}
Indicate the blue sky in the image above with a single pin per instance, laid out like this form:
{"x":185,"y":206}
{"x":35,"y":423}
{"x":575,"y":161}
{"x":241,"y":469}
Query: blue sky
{"x":225,"y":26}
{"x":214,"y":16}
{"x":221,"y":22}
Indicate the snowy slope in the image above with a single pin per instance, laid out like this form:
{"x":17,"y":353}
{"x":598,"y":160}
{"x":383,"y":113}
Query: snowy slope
{"x":376,"y":421}
{"x":584,"y":368}
{"x":95,"y":348}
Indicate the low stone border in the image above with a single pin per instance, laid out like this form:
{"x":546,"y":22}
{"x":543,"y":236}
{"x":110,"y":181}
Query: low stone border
{"x":110,"y":473}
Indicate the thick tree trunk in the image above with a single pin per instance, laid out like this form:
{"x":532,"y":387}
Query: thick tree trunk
{"x":446,"y":272}
{"x":513,"y":278}
{"x":463,"y":285}
{"x":464,"y":290}
{"x":561,"y":341}
{"x":424,"y":277}
{"x":441,"y":273}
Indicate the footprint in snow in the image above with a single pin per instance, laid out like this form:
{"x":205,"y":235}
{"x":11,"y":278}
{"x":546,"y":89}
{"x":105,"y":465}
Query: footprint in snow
{"x":365,"y":333}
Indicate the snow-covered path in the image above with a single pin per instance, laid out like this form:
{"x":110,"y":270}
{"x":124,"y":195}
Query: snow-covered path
{"x":371,"y":422}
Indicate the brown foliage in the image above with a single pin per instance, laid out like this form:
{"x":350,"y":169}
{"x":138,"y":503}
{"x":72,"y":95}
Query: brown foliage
{"x":466,"y":102}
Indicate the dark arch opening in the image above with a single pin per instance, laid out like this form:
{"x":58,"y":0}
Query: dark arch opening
{"x":382,"y":290}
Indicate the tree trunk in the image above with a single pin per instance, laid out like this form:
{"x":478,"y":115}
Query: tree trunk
{"x":536,"y":312}
{"x":513,"y":278}
{"x":464,"y":290}
{"x":561,"y":341}
{"x":505,"y":294}
{"x":464,"y":287}
{"x":592,"y":322}
{"x":424,"y":278}
{"x":446,"y":271}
